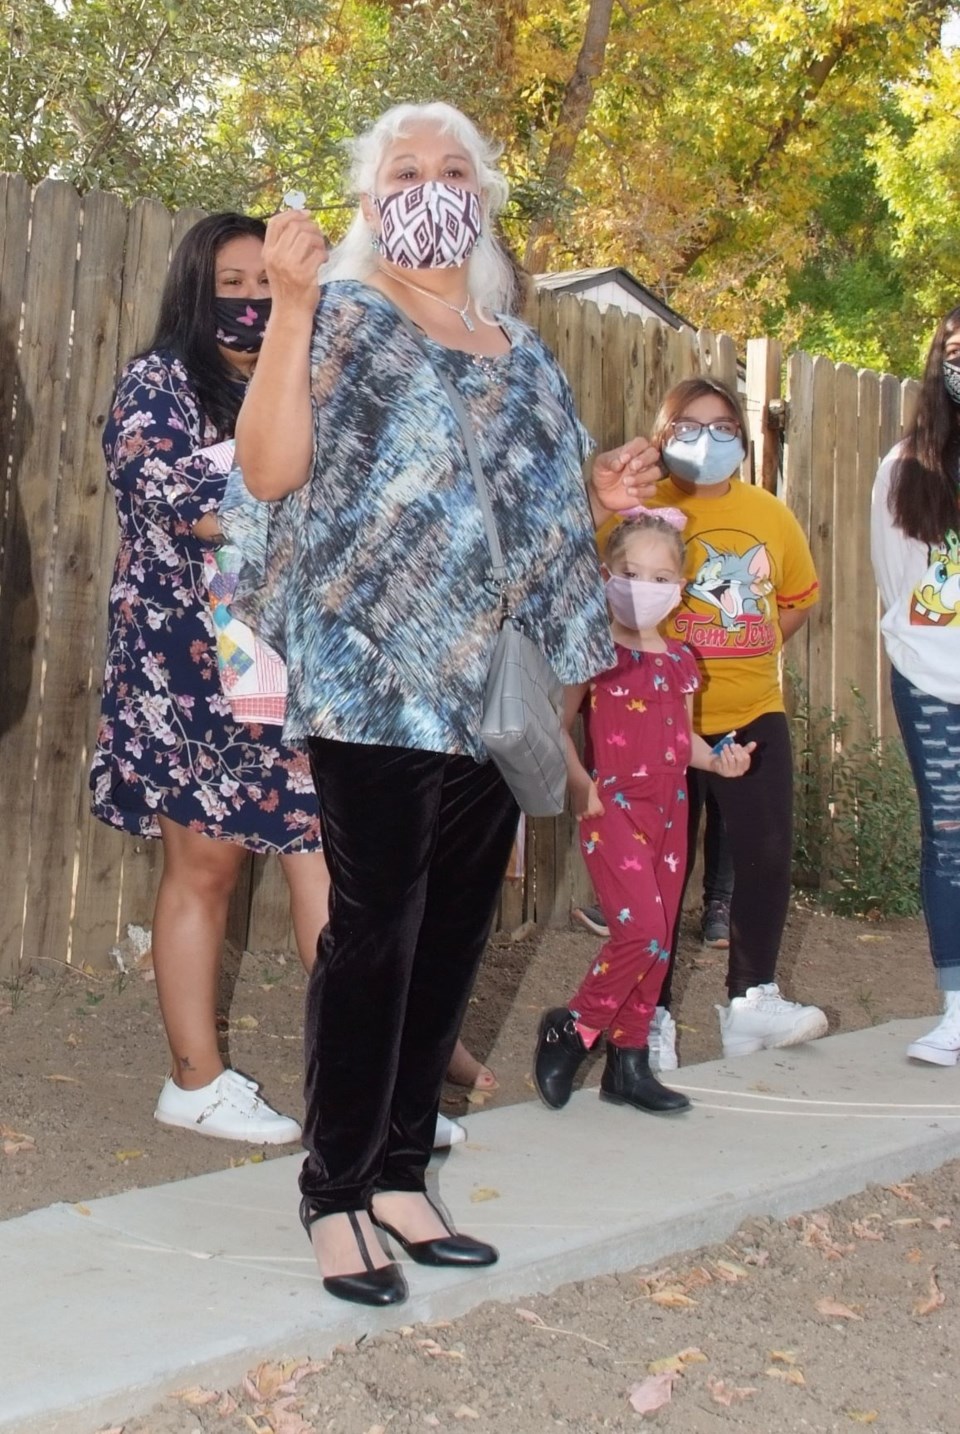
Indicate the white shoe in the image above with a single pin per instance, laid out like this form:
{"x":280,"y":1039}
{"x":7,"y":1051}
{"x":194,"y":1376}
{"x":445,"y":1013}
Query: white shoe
{"x":447,"y":1133}
{"x":941,"y":1047}
{"x":662,"y":1041}
{"x":763,"y":1019}
{"x":229,"y":1108}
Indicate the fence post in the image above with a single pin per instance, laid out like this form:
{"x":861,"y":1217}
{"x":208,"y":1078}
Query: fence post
{"x":764,"y":366}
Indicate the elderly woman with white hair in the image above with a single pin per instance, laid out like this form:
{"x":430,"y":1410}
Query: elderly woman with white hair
{"x":376,"y":587}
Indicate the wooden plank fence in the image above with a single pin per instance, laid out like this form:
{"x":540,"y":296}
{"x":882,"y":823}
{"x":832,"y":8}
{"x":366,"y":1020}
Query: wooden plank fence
{"x":80,"y":281}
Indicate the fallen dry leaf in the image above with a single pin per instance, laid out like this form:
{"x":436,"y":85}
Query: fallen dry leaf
{"x":15,"y":1142}
{"x":904,"y":1191}
{"x":377,"y":1429}
{"x":940,"y":1222}
{"x":465,"y":1412}
{"x":64,"y":1080}
{"x":914,"y":1256}
{"x":833,"y":1309}
{"x":730,"y":1273}
{"x":432,"y":1420}
{"x":754,"y":1255}
{"x":906,"y":1222}
{"x":530,"y":1316}
{"x":723,"y":1393}
{"x":935,"y":1297}
{"x":783,"y":1356}
{"x":672,"y":1299}
{"x":82,"y":1209}
{"x":871,"y":936}
{"x":245,"y":1023}
{"x":481,"y":1193}
{"x":227,"y":1406}
{"x":653,"y":1393}
{"x":677,"y":1363}
{"x":863,"y":1416}
{"x":122,"y":1156}
{"x":865,"y":1231}
{"x":787,"y":1376}
{"x":670,"y":1364}
{"x":284,"y":1419}
{"x":196,"y":1396}
{"x":478,"y":1097}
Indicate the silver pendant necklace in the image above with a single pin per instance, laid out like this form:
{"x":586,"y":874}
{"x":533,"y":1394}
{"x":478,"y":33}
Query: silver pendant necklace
{"x":465,"y":318}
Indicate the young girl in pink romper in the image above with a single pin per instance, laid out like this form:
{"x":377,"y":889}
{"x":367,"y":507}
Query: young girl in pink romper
{"x":631,"y":802}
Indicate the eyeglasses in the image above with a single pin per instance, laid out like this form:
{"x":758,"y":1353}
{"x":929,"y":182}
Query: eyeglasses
{"x":688,"y":430}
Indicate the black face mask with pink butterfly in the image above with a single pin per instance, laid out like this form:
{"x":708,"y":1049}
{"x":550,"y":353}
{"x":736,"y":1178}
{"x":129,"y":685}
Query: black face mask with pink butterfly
{"x":241,"y":323}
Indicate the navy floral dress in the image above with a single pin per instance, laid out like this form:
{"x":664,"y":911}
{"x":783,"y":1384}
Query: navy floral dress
{"x":166,"y":742}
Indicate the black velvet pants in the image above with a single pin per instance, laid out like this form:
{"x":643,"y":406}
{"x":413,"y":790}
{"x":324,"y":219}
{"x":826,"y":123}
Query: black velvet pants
{"x":417,"y":844}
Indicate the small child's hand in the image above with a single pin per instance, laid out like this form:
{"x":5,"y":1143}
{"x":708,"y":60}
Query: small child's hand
{"x":585,"y":800}
{"x":733,"y":760}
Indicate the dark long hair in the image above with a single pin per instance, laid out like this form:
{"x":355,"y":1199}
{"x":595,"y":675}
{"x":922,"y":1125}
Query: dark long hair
{"x":186,"y":324}
{"x":923,"y":490}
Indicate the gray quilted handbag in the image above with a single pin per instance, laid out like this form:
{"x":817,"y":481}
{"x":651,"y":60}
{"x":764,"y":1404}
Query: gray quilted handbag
{"x":522,"y":725}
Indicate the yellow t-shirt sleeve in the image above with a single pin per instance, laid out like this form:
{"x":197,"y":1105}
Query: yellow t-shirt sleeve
{"x":799,"y":586}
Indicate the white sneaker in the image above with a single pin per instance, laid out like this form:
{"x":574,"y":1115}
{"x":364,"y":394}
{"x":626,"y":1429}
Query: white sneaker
{"x":763,"y":1019}
{"x":447,"y":1133}
{"x":229,"y":1108}
{"x":662,"y":1041}
{"x":941,"y":1047}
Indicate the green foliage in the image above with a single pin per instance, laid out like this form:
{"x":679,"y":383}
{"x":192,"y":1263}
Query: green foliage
{"x":758,"y":163}
{"x":856,"y":824}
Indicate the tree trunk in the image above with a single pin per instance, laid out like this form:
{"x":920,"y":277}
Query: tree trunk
{"x":574,"y":108}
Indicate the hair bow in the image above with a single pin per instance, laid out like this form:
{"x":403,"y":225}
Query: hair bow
{"x":673,"y":516}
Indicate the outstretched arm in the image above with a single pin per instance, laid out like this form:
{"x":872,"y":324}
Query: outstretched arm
{"x":275,"y":426}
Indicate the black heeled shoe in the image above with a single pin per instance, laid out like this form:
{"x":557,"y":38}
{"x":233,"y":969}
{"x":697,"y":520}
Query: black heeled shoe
{"x":368,"y":1286}
{"x":449,"y":1249}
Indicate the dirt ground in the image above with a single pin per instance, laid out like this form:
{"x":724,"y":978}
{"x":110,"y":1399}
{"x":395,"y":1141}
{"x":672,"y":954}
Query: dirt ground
{"x":82,"y":1057}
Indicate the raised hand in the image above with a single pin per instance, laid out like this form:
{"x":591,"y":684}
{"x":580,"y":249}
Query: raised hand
{"x":627,"y":475}
{"x":293,"y":251}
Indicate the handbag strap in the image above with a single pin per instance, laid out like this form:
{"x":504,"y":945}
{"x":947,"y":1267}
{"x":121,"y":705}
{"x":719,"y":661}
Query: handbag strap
{"x":473,"y":457}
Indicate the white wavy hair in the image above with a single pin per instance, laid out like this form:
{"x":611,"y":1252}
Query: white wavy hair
{"x":490,"y":275}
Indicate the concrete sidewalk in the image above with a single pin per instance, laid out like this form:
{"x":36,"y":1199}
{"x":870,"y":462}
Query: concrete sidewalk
{"x":106,"y":1307}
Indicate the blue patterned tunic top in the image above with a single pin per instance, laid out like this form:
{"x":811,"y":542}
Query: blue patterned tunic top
{"x":373,"y":579}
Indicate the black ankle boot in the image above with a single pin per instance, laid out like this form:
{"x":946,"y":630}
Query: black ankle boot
{"x":559,"y":1054}
{"x":628,"y":1080}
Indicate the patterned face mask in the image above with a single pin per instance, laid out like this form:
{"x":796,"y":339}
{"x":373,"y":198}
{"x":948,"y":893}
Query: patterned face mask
{"x":241,"y":323}
{"x":428,"y":226}
{"x":951,"y":379}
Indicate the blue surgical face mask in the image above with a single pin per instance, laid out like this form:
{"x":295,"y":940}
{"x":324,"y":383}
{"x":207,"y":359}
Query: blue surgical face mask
{"x":708,"y":460}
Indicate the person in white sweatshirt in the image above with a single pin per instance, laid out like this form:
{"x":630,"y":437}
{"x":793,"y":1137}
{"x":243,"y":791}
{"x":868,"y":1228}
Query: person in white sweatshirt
{"x":915,"y":546}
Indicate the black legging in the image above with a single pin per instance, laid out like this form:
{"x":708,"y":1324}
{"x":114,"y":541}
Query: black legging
{"x":757,"y":812}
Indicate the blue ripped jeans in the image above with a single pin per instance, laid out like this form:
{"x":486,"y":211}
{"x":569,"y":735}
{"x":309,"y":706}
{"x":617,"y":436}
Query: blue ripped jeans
{"x":931,"y":734}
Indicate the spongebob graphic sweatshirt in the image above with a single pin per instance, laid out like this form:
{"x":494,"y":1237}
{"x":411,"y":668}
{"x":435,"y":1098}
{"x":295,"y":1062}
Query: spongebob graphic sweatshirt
{"x":920,"y":594}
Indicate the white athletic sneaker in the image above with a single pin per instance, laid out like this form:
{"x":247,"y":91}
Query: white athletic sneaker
{"x":941,"y":1046}
{"x":448,"y":1132}
{"x":229,"y":1108}
{"x":762,"y":1019}
{"x":662,"y":1041}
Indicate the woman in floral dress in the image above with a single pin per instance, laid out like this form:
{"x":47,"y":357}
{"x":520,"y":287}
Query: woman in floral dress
{"x":170,"y":762}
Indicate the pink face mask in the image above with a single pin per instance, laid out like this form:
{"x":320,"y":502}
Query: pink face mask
{"x":429,"y":226}
{"x":640,"y":605}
